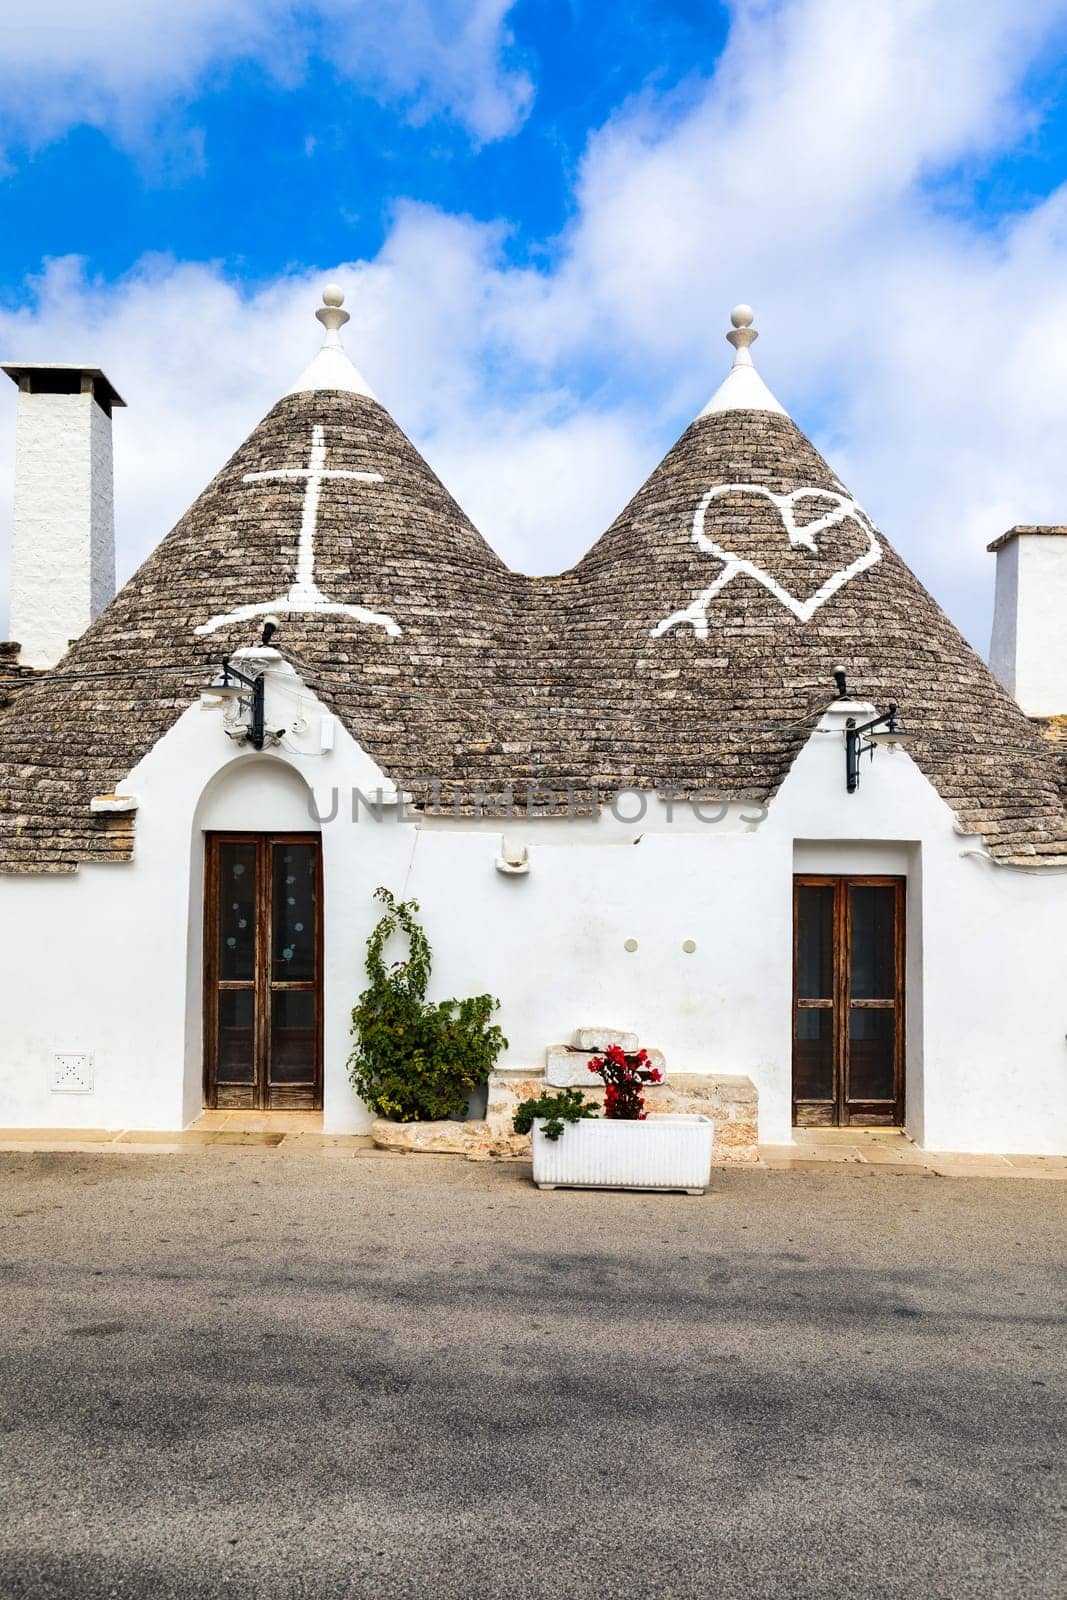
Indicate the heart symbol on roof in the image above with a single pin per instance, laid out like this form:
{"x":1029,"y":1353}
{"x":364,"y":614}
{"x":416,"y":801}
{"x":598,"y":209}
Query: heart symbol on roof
{"x":843,"y":507}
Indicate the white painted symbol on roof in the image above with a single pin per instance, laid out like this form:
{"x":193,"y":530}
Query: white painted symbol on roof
{"x":305,"y":595}
{"x":696,"y":614}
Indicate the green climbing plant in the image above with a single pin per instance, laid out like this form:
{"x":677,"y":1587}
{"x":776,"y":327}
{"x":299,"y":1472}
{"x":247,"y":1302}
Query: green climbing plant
{"x":412,"y":1060}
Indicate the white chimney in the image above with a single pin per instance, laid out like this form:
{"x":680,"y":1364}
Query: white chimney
{"x":63,"y":535}
{"x":1029,"y":647}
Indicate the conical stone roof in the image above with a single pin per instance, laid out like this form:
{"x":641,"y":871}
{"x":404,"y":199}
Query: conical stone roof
{"x":725,"y":594}
{"x":700,"y":635}
{"x":693,"y":646}
{"x":329,"y":519}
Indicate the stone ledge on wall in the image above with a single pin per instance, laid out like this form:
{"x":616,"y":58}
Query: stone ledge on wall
{"x":731,"y":1102}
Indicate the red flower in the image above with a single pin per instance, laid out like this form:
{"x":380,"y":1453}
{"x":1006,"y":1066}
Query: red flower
{"x":624,"y":1076}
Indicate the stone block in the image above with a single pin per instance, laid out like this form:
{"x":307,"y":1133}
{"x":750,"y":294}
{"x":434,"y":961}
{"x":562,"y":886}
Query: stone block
{"x":475,"y":1140}
{"x":506,"y":1091}
{"x":596,"y":1040}
{"x":736,"y":1141}
{"x":568,"y":1068}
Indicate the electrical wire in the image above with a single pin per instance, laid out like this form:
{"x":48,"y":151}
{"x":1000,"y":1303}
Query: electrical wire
{"x":32,"y":679}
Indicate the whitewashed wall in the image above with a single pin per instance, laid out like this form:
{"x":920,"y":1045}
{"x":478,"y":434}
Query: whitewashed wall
{"x":108,"y":961}
{"x":987,"y":946}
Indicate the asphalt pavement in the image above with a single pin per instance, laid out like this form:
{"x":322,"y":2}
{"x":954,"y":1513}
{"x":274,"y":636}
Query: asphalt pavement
{"x":226,"y":1375}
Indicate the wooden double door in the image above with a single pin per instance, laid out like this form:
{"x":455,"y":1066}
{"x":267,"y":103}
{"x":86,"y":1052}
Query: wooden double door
{"x":263,"y":971}
{"x":848,"y":1001}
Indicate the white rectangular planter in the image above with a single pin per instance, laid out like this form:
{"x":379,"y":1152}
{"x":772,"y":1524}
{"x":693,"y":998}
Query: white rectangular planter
{"x":664,"y":1152}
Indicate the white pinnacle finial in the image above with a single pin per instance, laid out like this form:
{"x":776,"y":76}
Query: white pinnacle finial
{"x":742,"y":389}
{"x":742,"y":334}
{"x":330,"y":314}
{"x":332,"y":368}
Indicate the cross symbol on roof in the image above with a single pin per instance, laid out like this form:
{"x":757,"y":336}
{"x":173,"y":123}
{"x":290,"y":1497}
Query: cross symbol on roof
{"x":304,"y":595}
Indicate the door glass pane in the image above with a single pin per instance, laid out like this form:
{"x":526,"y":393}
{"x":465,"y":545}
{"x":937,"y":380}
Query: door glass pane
{"x":293,"y":942}
{"x":237,"y":911}
{"x":815,"y":941}
{"x":236,"y":1055}
{"x":871,"y":1048}
{"x":813,"y":1055}
{"x":293,"y":1036}
{"x":873,"y":942}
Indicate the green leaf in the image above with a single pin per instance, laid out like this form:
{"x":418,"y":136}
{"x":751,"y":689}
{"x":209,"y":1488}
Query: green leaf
{"x":568,"y":1105}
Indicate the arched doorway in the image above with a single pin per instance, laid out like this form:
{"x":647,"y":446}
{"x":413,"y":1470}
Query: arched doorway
{"x":262,"y":944}
{"x":263,"y":972}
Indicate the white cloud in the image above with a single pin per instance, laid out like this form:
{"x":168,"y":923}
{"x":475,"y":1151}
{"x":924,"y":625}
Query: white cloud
{"x":800,"y":179}
{"x":436,"y":54}
{"x":120,"y":64}
{"x":199,"y":364}
{"x":925,"y":353}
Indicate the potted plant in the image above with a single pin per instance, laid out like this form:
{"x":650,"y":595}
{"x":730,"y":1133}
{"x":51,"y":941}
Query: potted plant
{"x":625,"y":1149}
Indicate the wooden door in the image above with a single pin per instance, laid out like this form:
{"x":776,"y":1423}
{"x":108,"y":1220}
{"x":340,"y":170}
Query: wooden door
{"x":263,"y":971}
{"x":848,"y":1001}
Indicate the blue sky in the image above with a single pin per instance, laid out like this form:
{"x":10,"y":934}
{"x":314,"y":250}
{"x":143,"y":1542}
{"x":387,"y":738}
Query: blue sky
{"x":223,"y":173}
{"x":542,"y":213}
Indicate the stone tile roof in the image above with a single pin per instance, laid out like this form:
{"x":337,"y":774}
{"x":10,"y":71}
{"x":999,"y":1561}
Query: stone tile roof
{"x":13,"y":674}
{"x":1054,"y":732}
{"x":607,"y":675}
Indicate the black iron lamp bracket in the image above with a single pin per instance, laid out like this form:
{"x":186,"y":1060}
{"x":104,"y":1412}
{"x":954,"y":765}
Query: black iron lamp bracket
{"x":256,"y":733}
{"x":857,"y":744}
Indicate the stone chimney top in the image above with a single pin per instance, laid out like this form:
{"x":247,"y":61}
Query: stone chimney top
{"x":54,"y":377}
{"x":63,"y":534}
{"x":1028,"y":651}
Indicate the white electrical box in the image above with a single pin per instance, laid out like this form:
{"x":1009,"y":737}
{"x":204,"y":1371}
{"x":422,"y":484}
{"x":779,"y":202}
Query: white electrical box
{"x":71,"y":1074}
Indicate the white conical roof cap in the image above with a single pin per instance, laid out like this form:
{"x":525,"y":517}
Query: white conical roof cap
{"x":332,"y":368}
{"x":742,"y":389}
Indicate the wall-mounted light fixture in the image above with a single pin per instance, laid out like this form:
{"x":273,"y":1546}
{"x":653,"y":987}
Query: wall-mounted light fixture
{"x":248,"y":695}
{"x":866,"y":736}
{"x":234,"y":685}
{"x":859,"y":738}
